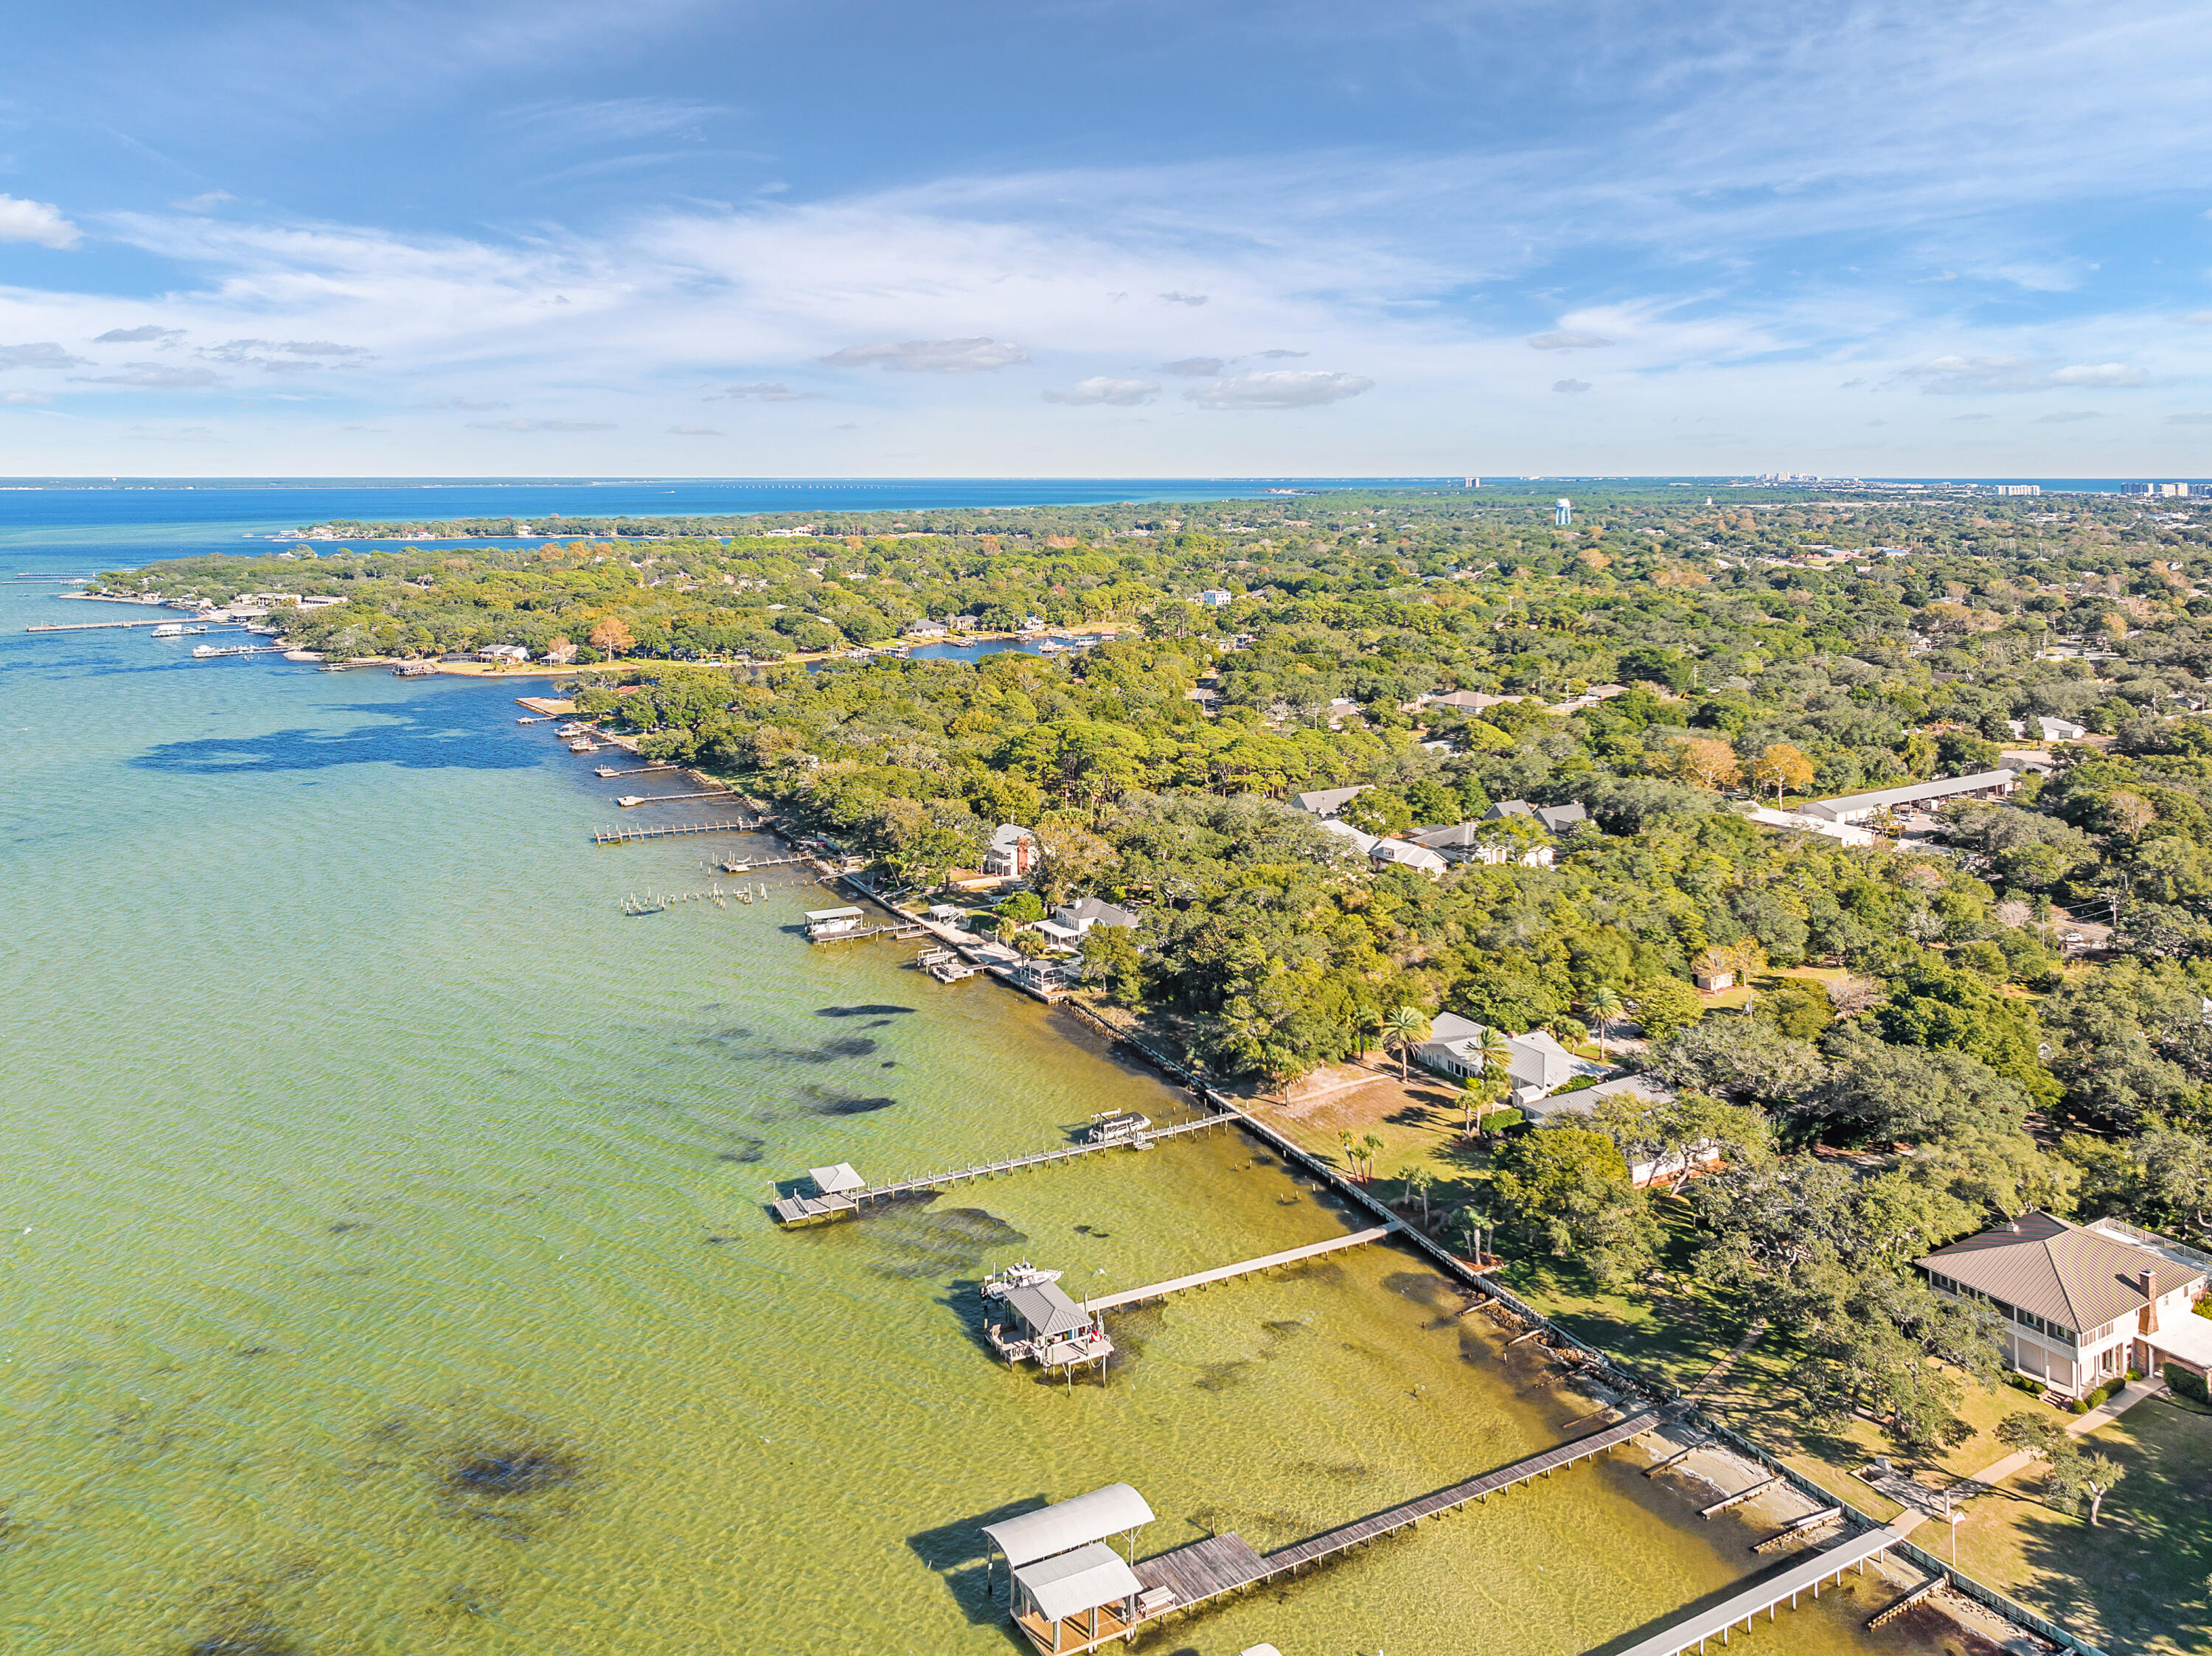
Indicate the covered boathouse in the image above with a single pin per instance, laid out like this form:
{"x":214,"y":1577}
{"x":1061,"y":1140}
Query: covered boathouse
{"x":1028,"y":1316}
{"x":1069,"y":1588}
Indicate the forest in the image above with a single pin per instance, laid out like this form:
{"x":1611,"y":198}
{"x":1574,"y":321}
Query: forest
{"x":1954,"y":1062}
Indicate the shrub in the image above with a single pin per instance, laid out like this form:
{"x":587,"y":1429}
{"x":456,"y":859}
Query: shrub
{"x":2077,"y":1407}
{"x":1501,"y":1121}
{"x":2027,"y":1383}
{"x":2188,"y":1383}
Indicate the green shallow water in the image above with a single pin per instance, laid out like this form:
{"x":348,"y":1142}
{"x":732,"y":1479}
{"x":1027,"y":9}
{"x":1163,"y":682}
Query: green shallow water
{"x":386,"y":1267}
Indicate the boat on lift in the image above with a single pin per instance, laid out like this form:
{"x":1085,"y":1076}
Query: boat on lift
{"x":1020,"y":1274}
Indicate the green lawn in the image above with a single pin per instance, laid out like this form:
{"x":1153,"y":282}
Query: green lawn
{"x":2138,"y":1581}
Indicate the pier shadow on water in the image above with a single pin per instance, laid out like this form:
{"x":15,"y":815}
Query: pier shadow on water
{"x":401,"y":735}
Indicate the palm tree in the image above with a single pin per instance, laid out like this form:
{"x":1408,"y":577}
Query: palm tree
{"x":1494,"y":1059}
{"x":1419,"y":1182}
{"x":1350,"y":1151}
{"x":1605,"y":1005}
{"x":1368,"y":1144}
{"x":1405,"y":1027}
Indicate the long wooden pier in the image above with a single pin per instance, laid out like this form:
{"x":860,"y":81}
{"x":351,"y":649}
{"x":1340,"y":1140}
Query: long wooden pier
{"x":1226,"y":1563}
{"x":1224,"y":1273}
{"x":179,"y":620}
{"x":671,"y":798}
{"x":808,"y":1210}
{"x":610,"y":836}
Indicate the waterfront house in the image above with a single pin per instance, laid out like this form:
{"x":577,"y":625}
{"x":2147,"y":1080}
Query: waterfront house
{"x":1013,"y":852}
{"x":514,"y":654}
{"x":924,"y":627}
{"x":1080,"y":916}
{"x":1535,"y":1063}
{"x":2082,"y":1304}
{"x":963,"y":624}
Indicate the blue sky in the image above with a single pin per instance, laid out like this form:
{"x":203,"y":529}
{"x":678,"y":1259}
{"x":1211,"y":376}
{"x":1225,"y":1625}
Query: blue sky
{"x":1106,"y":238}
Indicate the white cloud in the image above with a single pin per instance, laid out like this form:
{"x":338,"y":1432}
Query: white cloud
{"x":291,"y":356}
{"x":2188,"y":419}
{"x":2201,"y":319}
{"x":539,"y":425}
{"x":1571,"y":387}
{"x":1955,"y":376}
{"x":2068,"y":417}
{"x":154,"y":376}
{"x":148,"y":335}
{"x":770,"y":392}
{"x":461,"y":405}
{"x":1277,"y":355}
{"x":45,"y":353}
{"x":1185,"y":299}
{"x":34,"y":221}
{"x":1099,"y":388}
{"x":930,"y":355}
{"x":1196,"y":367}
{"x":693,"y":431}
{"x":1563,"y":341}
{"x":24,"y":396}
{"x":1283,"y":388}
{"x":206,"y":202}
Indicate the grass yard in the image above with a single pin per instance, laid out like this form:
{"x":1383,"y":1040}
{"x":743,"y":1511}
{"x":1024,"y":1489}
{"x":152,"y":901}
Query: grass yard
{"x":2138,"y":1581}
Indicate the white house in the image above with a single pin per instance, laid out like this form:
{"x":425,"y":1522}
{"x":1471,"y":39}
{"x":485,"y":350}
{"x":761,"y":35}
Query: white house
{"x":2061,"y":730}
{"x":1080,"y":916}
{"x":1463,"y":843}
{"x":922,"y":627}
{"x":1214,"y":598}
{"x":1553,"y":819}
{"x":1362,"y":843}
{"x":2082,"y":1305}
{"x":1013,"y":851}
{"x":1406,"y":854}
{"x":1767,"y":817}
{"x":508,"y":652}
{"x":1535,"y":1063}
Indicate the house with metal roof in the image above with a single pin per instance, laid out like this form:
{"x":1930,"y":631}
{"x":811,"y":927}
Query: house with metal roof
{"x":1553,"y":819}
{"x":1475,"y":842}
{"x":2080,"y":1305}
{"x":1535,"y":1063}
{"x":1405,"y":853}
{"x":1913,"y":796}
{"x":1080,"y":916}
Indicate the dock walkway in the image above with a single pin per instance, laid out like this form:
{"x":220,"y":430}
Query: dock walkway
{"x":1226,"y":1563}
{"x":802,"y":1209}
{"x":1223,"y":1273}
{"x":1808,"y":1574}
{"x":619,"y":835}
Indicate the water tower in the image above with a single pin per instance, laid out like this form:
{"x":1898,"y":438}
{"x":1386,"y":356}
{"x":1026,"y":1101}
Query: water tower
{"x":1563,"y":513}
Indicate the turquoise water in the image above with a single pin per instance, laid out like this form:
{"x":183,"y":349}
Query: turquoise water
{"x":387,"y":1270}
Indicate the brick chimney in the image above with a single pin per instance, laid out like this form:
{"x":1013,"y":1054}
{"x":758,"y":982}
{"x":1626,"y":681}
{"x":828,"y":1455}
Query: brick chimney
{"x":2147,"y":1320}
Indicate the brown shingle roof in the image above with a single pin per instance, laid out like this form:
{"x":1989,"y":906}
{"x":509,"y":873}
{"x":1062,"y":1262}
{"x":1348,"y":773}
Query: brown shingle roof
{"x":2061,"y":1273}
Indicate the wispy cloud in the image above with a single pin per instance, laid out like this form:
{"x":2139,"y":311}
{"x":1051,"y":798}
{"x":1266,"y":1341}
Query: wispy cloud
{"x":1099,"y":388}
{"x":43,"y":354}
{"x":1959,"y":376}
{"x":767,"y":392}
{"x":1566,"y":341}
{"x":1193,"y":366}
{"x":36,"y":222}
{"x":1571,"y":387}
{"x":1281,"y":389}
{"x":148,"y":335}
{"x":1185,"y":299}
{"x":930,"y":355}
{"x":540,"y":425}
{"x":206,"y":202}
{"x":154,"y":376}
{"x":693,"y":431}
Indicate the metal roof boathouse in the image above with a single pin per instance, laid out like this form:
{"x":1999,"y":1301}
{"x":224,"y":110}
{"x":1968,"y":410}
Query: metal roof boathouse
{"x":1027,"y":1317}
{"x":1070,"y":1590}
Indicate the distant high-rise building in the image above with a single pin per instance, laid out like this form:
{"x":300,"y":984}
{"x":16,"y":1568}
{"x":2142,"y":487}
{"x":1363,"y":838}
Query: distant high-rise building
{"x":1563,"y":513}
{"x":2020,"y":488}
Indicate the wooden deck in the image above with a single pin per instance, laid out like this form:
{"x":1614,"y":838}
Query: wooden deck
{"x":1808,"y":1574}
{"x":1224,"y":1273}
{"x":800,"y":1210}
{"x":1205,"y":1569}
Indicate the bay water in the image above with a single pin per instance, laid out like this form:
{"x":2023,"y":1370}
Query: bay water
{"x":384,"y":1266}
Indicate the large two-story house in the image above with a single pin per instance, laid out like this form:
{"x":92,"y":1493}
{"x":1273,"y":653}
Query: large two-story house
{"x":2083,"y":1304}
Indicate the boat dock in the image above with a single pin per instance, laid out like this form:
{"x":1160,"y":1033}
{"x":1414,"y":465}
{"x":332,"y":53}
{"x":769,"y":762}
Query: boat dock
{"x":1807,"y":1575}
{"x":1225,"y":1273}
{"x":101,"y":626}
{"x":628,"y":800}
{"x":837,"y":1203}
{"x":611,"y":836}
{"x":1170,"y":1582}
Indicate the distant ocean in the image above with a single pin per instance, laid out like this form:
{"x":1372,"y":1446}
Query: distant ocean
{"x":78,"y":526}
